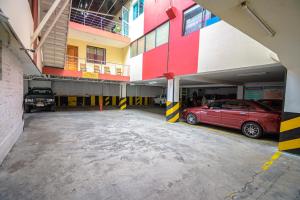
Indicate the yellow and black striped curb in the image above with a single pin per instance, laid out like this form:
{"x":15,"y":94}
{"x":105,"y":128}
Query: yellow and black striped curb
{"x":123,"y":102}
{"x":290,"y":133}
{"x":172,"y":112}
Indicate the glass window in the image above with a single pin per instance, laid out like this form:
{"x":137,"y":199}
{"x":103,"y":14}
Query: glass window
{"x":235,"y":105}
{"x":135,"y":10}
{"x":215,"y":105}
{"x":96,"y":55}
{"x":193,"y":19}
{"x":141,"y":45}
{"x":150,"y":41}
{"x":133,"y":49}
{"x":141,"y":7}
{"x":162,"y":34}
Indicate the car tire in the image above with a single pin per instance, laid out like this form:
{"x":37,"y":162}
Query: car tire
{"x":191,"y":119}
{"x":252,"y":130}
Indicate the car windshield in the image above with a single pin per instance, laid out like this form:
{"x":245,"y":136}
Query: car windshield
{"x":40,"y":92}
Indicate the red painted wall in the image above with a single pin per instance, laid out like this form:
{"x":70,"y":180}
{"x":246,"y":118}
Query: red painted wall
{"x":183,"y":50}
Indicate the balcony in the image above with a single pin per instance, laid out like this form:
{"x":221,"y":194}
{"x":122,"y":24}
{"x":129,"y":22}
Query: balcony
{"x":90,"y":27}
{"x":90,"y":69}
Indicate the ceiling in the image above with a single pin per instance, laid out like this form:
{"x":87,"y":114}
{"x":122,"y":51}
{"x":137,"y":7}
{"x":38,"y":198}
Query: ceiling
{"x":282,"y":16}
{"x":266,"y":73}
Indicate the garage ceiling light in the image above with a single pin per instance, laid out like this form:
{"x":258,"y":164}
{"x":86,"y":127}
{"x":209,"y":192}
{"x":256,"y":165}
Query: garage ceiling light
{"x":253,"y":74}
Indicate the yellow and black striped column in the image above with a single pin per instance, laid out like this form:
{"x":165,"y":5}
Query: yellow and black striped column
{"x":123,"y":103}
{"x":290,"y":133}
{"x":138,"y":101}
{"x":172,"y":112}
{"x":107,"y":101}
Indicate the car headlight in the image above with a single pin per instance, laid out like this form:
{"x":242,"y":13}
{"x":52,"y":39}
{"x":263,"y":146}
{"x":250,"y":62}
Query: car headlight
{"x":50,"y":100}
{"x":28,"y":100}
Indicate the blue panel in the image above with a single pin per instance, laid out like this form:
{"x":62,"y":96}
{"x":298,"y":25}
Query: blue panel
{"x":212,"y":21}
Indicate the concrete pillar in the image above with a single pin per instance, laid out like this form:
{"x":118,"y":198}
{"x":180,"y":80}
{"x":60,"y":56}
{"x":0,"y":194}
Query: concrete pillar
{"x":240,"y":92}
{"x":123,"y":94}
{"x":172,"y":109}
{"x":290,"y":122}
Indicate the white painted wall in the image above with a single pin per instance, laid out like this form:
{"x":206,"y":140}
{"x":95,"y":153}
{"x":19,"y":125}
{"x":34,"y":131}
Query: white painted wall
{"x":136,"y":67}
{"x":72,"y":88}
{"x":33,"y":84}
{"x":11,"y":98}
{"x":224,"y":47}
{"x":144,"y":91}
{"x":292,"y":94}
{"x":20,"y":18}
{"x":136,"y":27}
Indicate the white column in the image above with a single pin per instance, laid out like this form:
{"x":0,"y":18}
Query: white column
{"x":123,"y":90}
{"x":173,"y":90}
{"x":240,"y":92}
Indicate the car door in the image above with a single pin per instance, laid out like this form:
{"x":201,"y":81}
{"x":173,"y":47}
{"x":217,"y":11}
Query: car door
{"x":234,"y":113}
{"x":211,"y":114}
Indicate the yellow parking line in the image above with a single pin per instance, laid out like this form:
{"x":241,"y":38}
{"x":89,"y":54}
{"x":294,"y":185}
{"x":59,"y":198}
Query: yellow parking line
{"x":270,"y":162}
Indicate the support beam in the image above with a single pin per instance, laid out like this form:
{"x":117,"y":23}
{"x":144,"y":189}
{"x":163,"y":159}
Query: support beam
{"x":44,"y":20}
{"x":123,"y":94}
{"x":172,"y":109}
{"x":240,"y":92}
{"x":290,"y":122}
{"x":52,"y":24}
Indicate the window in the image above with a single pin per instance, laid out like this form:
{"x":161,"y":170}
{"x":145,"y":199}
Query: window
{"x":162,"y":34}
{"x":150,"y":41}
{"x":138,"y":9}
{"x":0,"y":60}
{"x":96,"y":55}
{"x":141,"y":45}
{"x":235,"y":105}
{"x":133,"y":49}
{"x":141,"y":7}
{"x":193,"y":18}
{"x":215,"y":105}
{"x":135,"y":10}
{"x":196,"y":18}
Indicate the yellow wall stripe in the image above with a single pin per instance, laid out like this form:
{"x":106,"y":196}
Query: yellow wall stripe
{"x":123,"y":101}
{"x":290,"y":124}
{"x":114,"y":100}
{"x":131,"y":101}
{"x":173,"y":109}
{"x":93,"y":100}
{"x":72,"y":101}
{"x":290,"y":144}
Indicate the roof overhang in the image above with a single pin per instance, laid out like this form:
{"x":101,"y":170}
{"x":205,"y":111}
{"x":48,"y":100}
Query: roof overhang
{"x":15,"y":45}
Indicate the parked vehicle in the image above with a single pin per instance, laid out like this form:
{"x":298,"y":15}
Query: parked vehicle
{"x":160,"y":100}
{"x":39,"y":98}
{"x":251,"y":117}
{"x":275,"y":104}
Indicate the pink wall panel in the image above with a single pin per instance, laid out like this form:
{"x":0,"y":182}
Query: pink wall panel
{"x":155,"y":62}
{"x":183,"y":50}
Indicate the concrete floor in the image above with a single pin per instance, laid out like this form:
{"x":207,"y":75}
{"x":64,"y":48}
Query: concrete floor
{"x":136,"y":155}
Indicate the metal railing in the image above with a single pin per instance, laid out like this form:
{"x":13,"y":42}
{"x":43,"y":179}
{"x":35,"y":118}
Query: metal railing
{"x":95,"y":66}
{"x":93,"y":19}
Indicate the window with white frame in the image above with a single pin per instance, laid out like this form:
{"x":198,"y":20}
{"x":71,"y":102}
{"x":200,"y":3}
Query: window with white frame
{"x":141,"y":45}
{"x":162,"y":34}
{"x":138,"y":8}
{"x":150,"y":41}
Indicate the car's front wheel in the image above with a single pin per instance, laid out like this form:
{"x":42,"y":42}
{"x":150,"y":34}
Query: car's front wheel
{"x":252,"y":130}
{"x":191,"y":119}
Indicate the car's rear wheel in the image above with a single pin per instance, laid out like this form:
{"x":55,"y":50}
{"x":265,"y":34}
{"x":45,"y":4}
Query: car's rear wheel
{"x":252,"y":130}
{"x":191,"y":119}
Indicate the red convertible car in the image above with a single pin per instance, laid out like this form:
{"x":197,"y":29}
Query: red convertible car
{"x":251,"y":117}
